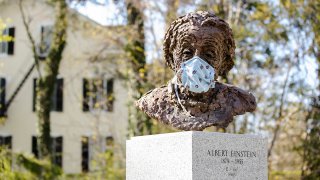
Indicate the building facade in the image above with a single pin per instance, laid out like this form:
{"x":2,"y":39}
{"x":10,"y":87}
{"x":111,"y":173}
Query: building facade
{"x":89,"y":100}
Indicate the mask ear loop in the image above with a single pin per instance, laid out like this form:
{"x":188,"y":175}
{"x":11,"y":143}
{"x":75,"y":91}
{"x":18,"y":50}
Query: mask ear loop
{"x":175,"y":82}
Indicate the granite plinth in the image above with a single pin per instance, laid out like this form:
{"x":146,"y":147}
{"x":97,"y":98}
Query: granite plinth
{"x":196,"y":155}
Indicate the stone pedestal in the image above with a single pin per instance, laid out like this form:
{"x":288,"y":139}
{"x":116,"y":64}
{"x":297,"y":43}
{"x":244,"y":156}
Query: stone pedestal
{"x":197,"y":155}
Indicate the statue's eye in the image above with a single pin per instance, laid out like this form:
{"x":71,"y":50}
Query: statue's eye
{"x":187,"y":52}
{"x":209,"y":55}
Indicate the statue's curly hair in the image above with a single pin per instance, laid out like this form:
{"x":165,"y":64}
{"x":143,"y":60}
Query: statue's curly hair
{"x":202,"y":19}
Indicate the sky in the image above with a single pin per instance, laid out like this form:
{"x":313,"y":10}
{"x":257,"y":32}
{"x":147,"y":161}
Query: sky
{"x":103,"y":12}
{"x":109,"y":13}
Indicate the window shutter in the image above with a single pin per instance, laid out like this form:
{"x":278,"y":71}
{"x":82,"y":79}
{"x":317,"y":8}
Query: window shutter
{"x":57,"y":145}
{"x":59,"y":95}
{"x":42,"y":31}
{"x":8,"y":141}
{"x":34,"y":94}
{"x":40,"y":46}
{"x":54,"y":98}
{"x":35,"y":146}
{"x":109,"y":142}
{"x":11,"y":43}
{"x":110,"y":95}
{"x":2,"y":96}
{"x":46,"y":37}
{"x":85,"y":105}
{"x":85,"y":154}
{"x":109,"y":148}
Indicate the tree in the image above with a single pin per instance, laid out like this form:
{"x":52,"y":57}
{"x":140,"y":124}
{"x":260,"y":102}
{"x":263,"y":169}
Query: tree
{"x":305,"y":17}
{"x":139,"y":123}
{"x":47,"y":78}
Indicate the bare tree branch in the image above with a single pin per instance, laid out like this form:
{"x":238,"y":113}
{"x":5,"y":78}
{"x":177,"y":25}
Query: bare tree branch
{"x":33,"y":43}
{"x":280,"y":115}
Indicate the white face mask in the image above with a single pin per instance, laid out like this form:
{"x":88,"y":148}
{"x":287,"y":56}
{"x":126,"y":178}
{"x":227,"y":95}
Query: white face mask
{"x":196,"y":75}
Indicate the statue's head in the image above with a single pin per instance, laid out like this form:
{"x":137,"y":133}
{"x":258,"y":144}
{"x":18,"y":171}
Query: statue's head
{"x":200,"y":34}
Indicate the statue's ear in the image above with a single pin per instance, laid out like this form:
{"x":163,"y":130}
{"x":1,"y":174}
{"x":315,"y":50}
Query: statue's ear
{"x":229,"y":63}
{"x":168,"y":44}
{"x":169,"y":60}
{"x":224,"y":66}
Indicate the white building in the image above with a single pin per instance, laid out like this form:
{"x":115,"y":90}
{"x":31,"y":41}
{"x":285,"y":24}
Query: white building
{"x":73,"y":120}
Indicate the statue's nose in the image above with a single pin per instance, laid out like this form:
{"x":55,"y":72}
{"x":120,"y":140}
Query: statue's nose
{"x":199,"y":54}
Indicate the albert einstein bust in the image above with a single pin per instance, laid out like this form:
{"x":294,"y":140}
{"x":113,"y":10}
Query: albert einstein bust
{"x":198,"y":47}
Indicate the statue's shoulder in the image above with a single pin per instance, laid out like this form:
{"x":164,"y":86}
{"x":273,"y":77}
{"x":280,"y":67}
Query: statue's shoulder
{"x":239,"y":99}
{"x":157,"y":103}
{"x":153,"y":97}
{"x":156,"y":91}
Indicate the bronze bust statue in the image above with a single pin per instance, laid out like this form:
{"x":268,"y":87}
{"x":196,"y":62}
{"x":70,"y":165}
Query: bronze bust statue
{"x":204,"y":41}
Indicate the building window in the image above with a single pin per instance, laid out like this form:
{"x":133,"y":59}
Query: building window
{"x":98,"y":94}
{"x":2,"y":97}
{"x":6,"y":141}
{"x":85,"y":154}
{"x":57,"y":149}
{"x":89,"y":148}
{"x":7,"y":47}
{"x":57,"y":95}
{"x":45,"y":43}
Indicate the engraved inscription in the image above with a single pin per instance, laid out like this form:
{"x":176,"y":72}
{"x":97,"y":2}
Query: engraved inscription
{"x":231,"y":153}
{"x":232,"y":160}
